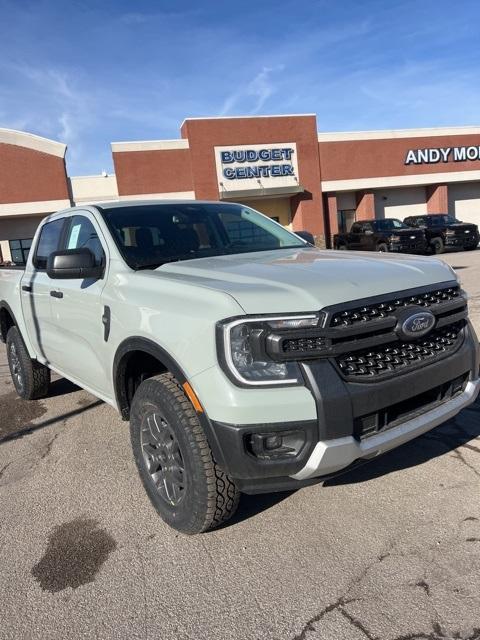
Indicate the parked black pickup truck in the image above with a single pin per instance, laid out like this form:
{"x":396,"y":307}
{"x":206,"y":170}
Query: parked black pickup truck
{"x":389,"y":234}
{"x":443,"y":231}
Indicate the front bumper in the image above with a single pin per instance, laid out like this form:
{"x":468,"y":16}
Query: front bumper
{"x":332,"y":455}
{"x":408,"y":246}
{"x":463,"y":242}
{"x":338,"y":439}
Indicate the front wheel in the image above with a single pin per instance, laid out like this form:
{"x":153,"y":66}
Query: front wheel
{"x":30,"y":378}
{"x":185,"y":485}
{"x":437,"y":246}
{"x":382,"y":247}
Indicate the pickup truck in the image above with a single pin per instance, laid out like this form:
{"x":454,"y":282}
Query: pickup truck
{"x":385,"y":235}
{"x":443,"y":231}
{"x":245,"y":359}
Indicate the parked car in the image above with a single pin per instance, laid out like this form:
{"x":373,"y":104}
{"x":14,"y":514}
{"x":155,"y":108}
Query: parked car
{"x":389,"y":234}
{"x":245,"y":359}
{"x":443,"y":231}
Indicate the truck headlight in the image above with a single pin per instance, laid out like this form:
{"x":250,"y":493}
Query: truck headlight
{"x":240,"y":346}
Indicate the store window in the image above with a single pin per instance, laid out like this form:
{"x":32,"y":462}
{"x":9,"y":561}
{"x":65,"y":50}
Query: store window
{"x":19,"y":250}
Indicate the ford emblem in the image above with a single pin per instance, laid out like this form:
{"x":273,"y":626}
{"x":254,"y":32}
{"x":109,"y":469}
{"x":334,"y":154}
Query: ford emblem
{"x":418,"y":324}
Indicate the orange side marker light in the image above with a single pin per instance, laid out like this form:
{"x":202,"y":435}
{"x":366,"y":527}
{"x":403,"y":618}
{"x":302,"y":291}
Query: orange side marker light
{"x":192,"y":397}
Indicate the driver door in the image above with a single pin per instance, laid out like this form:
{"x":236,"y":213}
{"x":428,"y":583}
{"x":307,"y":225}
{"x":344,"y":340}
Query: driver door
{"x":77,"y":310}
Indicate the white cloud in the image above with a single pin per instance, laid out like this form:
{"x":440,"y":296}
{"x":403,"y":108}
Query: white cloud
{"x":260,"y":88}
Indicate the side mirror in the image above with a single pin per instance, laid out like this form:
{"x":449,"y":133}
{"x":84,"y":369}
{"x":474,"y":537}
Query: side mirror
{"x":306,"y":235}
{"x":73,"y":264}
{"x":368,"y":232}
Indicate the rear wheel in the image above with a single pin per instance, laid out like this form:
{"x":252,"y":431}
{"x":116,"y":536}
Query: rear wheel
{"x":437,"y":246}
{"x":185,"y":485}
{"x":30,"y":378}
{"x":342,"y":247}
{"x":382,"y":247}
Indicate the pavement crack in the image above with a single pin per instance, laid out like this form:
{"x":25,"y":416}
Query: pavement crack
{"x":310,"y":624}
{"x":472,"y":447}
{"x":4,"y":468}
{"x":48,"y":447}
{"x":358,"y":624}
{"x":423,"y":585}
{"x":459,"y":455}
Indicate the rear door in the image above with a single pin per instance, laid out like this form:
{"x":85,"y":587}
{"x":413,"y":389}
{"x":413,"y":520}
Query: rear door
{"x":77,"y":311}
{"x":369,"y":240}
{"x":36,"y":291}
{"x":354,"y":237}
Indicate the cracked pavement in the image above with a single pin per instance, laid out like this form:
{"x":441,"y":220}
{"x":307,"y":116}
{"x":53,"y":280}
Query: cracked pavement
{"x":390,"y":551}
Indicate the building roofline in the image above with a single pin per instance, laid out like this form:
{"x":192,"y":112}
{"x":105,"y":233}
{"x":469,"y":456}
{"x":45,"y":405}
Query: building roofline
{"x":345,"y":136}
{"x":277,"y":115}
{"x":149,"y":145}
{"x":32,"y":141}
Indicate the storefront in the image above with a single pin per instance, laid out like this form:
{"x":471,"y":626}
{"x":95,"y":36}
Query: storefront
{"x":280,"y":165}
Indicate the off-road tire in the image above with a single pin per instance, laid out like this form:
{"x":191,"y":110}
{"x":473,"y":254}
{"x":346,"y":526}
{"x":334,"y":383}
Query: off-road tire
{"x":209,"y":496}
{"x":382,"y":247}
{"x":30,"y":378}
{"x":437,"y":246}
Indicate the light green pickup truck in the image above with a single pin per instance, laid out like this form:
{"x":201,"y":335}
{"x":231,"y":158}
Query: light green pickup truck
{"x":245,"y":359}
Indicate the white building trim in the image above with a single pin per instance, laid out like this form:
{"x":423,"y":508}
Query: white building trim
{"x":400,"y":181}
{"x":388,"y":134}
{"x":278,"y":115}
{"x":173,"y":195}
{"x":31,"y":141}
{"x":32,"y":208}
{"x":149,"y":145}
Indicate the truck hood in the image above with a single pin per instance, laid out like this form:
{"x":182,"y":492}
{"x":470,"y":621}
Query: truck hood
{"x":306,"y":279}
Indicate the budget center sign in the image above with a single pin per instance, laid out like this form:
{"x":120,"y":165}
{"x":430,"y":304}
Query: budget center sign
{"x":256,"y":166}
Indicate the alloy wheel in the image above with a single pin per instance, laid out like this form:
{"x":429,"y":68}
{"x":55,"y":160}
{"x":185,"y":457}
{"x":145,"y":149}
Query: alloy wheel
{"x":163,"y":458}
{"x":16,"y":368}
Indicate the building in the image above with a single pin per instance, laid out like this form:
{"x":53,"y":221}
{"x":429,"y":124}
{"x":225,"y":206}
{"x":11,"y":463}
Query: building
{"x":280,"y":165}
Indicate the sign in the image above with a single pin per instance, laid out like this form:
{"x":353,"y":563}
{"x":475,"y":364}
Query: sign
{"x":257,"y":166}
{"x":442,"y":154}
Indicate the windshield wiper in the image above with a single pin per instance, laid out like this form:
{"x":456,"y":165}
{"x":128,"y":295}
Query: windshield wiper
{"x":155,"y":265}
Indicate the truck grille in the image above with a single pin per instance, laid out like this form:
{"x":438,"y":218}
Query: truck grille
{"x":369,"y":312}
{"x":399,"y":356}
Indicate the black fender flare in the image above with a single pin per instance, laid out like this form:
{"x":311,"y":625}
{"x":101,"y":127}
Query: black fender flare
{"x":6,"y":306}
{"x":138,"y":343}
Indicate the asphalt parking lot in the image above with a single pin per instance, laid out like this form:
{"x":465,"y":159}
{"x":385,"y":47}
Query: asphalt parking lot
{"x":390,"y":551}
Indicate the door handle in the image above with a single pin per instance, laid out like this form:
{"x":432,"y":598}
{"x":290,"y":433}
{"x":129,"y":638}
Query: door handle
{"x":56,"y":294}
{"x":27,"y":288}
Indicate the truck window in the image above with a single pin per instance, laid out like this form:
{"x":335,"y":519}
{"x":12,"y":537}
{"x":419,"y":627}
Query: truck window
{"x":82,"y":234}
{"x":19,"y":250}
{"x":48,"y":242}
{"x":356,"y":228}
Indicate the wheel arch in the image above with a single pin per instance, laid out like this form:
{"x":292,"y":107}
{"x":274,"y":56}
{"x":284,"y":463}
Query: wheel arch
{"x":7,"y":320}
{"x":138,"y":346}
{"x":133,"y":348}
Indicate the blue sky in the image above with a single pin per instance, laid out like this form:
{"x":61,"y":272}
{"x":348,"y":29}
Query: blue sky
{"x":88,"y":72}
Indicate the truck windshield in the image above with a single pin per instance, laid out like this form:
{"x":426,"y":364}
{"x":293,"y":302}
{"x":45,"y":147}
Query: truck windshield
{"x":151,"y":235}
{"x":442,"y":219}
{"x":389,"y":224}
